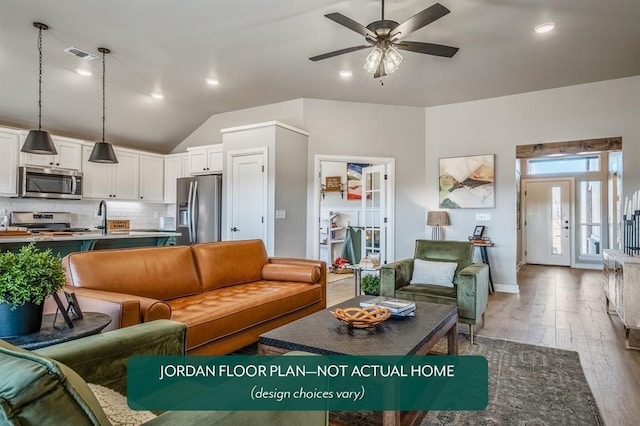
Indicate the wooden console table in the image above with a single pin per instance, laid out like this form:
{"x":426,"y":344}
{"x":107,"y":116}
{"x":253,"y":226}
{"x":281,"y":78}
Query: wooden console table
{"x":622,"y":289}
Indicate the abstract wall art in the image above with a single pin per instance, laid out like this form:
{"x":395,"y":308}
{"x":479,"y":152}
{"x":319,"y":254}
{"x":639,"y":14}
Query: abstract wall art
{"x":467,"y":182}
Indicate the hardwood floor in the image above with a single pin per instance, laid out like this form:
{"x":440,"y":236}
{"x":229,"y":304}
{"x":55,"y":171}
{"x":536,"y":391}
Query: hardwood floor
{"x":563,"y":308}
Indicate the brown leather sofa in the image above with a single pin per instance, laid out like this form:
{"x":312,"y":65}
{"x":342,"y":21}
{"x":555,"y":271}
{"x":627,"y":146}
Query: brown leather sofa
{"x":227,"y":293}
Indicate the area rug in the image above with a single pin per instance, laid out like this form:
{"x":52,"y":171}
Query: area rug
{"x":528,"y":385}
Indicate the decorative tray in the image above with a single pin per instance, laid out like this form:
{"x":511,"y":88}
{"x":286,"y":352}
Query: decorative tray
{"x":365,"y":317}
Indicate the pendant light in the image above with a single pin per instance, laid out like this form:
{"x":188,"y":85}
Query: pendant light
{"x":39,"y":141}
{"x":102,"y":152}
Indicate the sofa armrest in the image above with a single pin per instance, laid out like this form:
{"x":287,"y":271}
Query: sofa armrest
{"x":153,"y":309}
{"x":472,"y":286}
{"x":395,"y":275}
{"x":102,"y":359}
{"x":288,"y":272}
{"x":307,"y":262}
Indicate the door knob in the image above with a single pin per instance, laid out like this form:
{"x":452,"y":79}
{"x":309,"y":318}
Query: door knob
{"x":565,"y":227}
{"x":234,"y":229}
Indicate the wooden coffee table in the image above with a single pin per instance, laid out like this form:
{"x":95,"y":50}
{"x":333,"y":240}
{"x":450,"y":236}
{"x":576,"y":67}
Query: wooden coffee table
{"x":321,"y":333}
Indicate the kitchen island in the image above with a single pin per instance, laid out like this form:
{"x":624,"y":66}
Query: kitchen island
{"x":84,"y":241}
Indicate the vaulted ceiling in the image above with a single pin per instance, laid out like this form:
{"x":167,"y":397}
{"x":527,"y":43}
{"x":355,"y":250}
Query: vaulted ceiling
{"x":259,"y":50}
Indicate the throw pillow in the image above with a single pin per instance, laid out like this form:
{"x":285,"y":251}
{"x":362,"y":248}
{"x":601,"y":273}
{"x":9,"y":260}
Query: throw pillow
{"x":434,"y":273}
{"x":115,"y":407}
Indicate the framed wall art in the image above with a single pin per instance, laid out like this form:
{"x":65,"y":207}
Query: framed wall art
{"x":467,"y":182}
{"x":354,"y":180}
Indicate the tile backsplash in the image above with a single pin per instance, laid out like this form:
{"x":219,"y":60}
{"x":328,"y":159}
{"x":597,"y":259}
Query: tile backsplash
{"x":141,"y":215}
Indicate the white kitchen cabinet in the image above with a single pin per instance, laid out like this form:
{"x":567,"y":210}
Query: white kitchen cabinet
{"x":151,"y":178}
{"x":111,"y":181}
{"x":9,"y":148}
{"x":205,"y":159}
{"x":175,"y":166}
{"x":69,"y":155}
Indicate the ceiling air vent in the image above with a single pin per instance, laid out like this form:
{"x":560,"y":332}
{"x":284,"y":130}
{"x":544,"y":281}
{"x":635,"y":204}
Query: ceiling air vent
{"x":81,"y":53}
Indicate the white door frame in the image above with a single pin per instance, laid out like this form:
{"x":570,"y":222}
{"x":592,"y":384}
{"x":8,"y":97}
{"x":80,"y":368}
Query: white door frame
{"x":391,"y":179}
{"x":572,"y":215}
{"x":268,"y":225}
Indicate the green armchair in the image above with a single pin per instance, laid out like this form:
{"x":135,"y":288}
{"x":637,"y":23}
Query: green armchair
{"x":470,"y":288}
{"x":49,"y":385}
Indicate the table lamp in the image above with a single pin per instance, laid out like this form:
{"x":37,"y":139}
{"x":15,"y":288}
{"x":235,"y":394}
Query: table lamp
{"x":437,"y":219}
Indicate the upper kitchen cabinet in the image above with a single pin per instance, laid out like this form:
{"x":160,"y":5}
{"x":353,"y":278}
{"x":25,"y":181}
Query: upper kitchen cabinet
{"x":175,"y":166}
{"x":151,"y":178}
{"x":9,"y":148}
{"x":115,"y":181}
{"x":69,"y":154}
{"x":204,"y":160}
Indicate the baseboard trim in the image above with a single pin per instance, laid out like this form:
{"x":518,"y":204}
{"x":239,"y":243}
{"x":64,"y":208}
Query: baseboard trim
{"x":595,"y":266}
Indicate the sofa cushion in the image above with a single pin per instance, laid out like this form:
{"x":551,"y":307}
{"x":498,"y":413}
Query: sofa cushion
{"x":460,"y":252}
{"x":218,"y":313}
{"x":37,"y":390}
{"x":428,"y":293}
{"x":297,"y":273}
{"x":161,"y":273}
{"x":435,"y":273}
{"x":228,"y":263}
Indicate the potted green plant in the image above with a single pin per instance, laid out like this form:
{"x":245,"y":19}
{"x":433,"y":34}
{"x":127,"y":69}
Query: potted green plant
{"x":370,"y":284}
{"x":26,"y":279}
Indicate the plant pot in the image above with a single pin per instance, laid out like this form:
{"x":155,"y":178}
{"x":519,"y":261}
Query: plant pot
{"x":25,"y":319}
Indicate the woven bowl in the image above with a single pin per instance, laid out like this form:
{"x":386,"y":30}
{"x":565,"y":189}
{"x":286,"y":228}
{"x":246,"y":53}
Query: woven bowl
{"x":366,"y":317}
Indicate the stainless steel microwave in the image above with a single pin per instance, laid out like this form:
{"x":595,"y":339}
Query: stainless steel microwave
{"x":36,"y":182}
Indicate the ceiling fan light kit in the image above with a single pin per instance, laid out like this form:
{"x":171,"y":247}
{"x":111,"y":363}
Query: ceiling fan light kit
{"x":39,"y":141}
{"x":386,"y":38}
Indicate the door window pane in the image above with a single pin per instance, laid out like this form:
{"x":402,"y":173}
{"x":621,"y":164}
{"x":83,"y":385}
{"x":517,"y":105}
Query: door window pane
{"x":556,"y":220}
{"x":541,"y":166}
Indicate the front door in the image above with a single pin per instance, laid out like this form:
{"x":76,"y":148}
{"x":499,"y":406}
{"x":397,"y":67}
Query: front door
{"x":248,"y":198}
{"x":547,"y":223}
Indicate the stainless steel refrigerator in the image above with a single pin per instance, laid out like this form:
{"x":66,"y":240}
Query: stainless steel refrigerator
{"x":199,"y":209}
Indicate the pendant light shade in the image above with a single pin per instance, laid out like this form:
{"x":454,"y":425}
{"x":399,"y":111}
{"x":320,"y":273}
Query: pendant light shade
{"x":39,"y":141}
{"x":102,"y":151}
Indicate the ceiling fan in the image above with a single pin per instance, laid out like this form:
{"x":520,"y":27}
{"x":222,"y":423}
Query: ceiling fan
{"x":387,"y":36}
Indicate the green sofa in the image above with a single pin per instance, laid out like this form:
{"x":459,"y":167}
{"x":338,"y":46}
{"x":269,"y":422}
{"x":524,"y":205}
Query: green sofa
{"x":470,"y":288}
{"x":49,"y":385}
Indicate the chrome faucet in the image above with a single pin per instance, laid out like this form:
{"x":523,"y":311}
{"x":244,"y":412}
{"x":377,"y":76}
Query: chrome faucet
{"x":103,"y":204}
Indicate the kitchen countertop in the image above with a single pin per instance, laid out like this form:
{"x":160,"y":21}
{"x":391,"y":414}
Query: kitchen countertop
{"x":91,"y":235}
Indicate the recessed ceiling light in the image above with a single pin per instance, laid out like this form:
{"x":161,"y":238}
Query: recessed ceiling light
{"x":212,"y":82}
{"x":83,"y":71}
{"x":157,"y":95}
{"x":545,"y":28}
{"x":346,"y":73}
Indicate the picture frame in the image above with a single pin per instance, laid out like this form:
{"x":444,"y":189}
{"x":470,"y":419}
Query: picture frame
{"x":467,"y":182}
{"x":478,"y":231}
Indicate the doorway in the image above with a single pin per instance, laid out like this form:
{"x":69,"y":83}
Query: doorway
{"x":337,"y":211}
{"x":548,"y":221}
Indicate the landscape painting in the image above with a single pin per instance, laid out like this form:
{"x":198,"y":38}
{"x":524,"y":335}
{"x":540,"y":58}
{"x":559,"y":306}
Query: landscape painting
{"x":467,"y":182}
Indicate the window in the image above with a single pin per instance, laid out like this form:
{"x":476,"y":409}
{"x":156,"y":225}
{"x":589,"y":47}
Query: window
{"x":541,"y":166}
{"x":590,"y":217}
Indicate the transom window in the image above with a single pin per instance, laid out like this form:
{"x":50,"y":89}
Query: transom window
{"x":583,"y":163}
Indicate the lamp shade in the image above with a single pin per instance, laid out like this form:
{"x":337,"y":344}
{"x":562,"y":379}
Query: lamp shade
{"x":39,"y":142}
{"x":438,"y":218}
{"x":102,"y":152}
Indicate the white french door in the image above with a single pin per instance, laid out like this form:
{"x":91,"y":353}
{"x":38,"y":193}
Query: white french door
{"x":374,"y":212}
{"x":548,"y":221}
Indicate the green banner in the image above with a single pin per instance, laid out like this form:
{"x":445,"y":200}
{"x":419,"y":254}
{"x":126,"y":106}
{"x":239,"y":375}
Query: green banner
{"x":334,"y":383}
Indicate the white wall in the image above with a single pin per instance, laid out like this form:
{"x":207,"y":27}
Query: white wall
{"x":498,"y":125}
{"x":289,"y":112}
{"x":360,"y":129}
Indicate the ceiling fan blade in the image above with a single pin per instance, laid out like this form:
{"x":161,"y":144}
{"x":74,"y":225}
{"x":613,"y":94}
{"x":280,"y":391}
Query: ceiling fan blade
{"x":418,"y":21}
{"x":339,"y":18}
{"x":338,"y":52}
{"x":427,"y":48}
{"x":380,"y":71}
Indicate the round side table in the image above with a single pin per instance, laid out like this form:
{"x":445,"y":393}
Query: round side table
{"x":91,"y":323}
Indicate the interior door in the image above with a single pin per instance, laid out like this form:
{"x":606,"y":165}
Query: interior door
{"x":248,"y":198}
{"x":547,"y":224}
{"x":374,"y":212}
